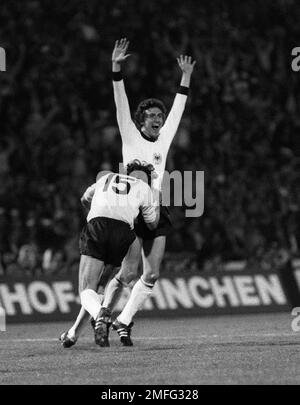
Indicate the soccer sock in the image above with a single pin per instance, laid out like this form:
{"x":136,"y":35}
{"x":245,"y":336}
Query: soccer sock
{"x":139,"y":294}
{"x":90,"y":302}
{"x":81,"y":320}
{"x":112,"y":293}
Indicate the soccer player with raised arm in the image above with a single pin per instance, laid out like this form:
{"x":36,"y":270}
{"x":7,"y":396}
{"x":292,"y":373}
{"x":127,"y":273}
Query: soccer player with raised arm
{"x":146,"y":137}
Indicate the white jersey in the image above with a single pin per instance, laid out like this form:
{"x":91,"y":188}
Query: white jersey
{"x":120,"y":197}
{"x":134,"y":146}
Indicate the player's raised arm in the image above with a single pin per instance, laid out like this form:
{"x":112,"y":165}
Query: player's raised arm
{"x":123,"y":111}
{"x":186,"y":65}
{"x":119,"y":54}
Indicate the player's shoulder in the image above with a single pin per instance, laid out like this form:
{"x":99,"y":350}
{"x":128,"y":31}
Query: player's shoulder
{"x":140,"y":187}
{"x":103,"y":174}
{"x":133,"y":181}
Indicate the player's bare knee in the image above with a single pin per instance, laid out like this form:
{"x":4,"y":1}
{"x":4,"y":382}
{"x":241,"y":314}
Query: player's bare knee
{"x":126,"y":278}
{"x":128,"y":272}
{"x":150,"y":277}
{"x":88,"y":284}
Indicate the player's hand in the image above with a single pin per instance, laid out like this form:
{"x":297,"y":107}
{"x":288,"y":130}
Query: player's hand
{"x":119,"y":52}
{"x":186,"y":64}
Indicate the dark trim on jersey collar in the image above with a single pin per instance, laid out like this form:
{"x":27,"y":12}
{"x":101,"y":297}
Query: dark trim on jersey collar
{"x":148,"y":139}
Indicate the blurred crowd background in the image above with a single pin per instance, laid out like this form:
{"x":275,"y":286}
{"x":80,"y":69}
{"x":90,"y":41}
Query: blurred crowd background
{"x":241,"y":125}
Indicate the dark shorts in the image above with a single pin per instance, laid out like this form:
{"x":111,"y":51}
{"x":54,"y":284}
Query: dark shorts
{"x":106,"y":239}
{"x":164,"y":226}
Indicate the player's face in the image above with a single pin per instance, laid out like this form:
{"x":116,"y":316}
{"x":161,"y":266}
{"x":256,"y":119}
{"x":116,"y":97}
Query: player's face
{"x":153,"y":121}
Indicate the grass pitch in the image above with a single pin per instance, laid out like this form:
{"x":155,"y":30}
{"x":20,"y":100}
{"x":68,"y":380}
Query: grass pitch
{"x":237,"y":349}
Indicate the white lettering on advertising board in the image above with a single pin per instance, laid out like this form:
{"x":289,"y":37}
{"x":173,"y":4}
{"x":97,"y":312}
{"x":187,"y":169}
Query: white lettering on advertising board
{"x":229,"y":291}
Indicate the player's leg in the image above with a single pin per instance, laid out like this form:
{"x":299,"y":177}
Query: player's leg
{"x":152,"y":255}
{"x":121,"y":242}
{"x":70,"y":337}
{"x":83,"y":316}
{"x":80,"y":323}
{"x":90,"y":273}
{"x":126,"y":274}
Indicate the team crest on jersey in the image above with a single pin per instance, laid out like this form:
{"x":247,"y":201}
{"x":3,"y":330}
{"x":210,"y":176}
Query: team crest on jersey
{"x":157,"y":158}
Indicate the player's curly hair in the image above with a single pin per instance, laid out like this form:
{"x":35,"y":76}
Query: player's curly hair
{"x":139,"y":115}
{"x":142,"y":166}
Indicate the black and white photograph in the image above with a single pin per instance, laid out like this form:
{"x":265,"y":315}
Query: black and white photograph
{"x":149,"y":195}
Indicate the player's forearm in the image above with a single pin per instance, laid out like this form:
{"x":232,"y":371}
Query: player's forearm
{"x":122,"y":105}
{"x":86,"y":204}
{"x":157,"y":212}
{"x":87,"y":197}
{"x":116,"y":67}
{"x":153,"y":225}
{"x":185,"y":80}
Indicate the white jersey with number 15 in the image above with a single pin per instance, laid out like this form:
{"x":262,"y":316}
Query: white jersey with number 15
{"x":120,"y":197}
